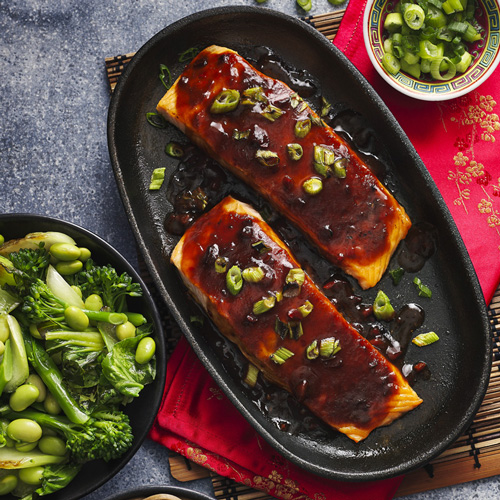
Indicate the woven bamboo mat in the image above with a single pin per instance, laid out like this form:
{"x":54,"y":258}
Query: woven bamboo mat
{"x":475,"y":455}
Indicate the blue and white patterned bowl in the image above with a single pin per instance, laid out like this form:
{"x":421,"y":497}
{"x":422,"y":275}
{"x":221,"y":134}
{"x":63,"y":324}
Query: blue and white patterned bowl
{"x":485,"y":52}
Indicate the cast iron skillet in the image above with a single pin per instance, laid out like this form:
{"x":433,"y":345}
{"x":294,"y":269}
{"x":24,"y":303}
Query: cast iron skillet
{"x":147,"y":491}
{"x":143,"y":410}
{"x":460,"y":362}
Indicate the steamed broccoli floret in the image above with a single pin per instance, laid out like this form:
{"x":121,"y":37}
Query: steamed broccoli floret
{"x":32,"y":262}
{"x":106,"y":282}
{"x":106,"y":435}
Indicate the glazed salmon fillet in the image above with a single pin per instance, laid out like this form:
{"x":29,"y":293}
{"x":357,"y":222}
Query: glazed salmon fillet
{"x":257,"y":295}
{"x":264,"y":133}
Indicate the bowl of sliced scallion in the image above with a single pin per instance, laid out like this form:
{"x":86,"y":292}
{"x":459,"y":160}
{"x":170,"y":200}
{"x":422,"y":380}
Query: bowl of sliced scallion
{"x":82,"y":359}
{"x":433,"y":50}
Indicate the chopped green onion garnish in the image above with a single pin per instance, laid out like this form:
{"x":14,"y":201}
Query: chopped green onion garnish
{"x":382,"y":307}
{"x":157,"y":178}
{"x":264,"y":305}
{"x":165,"y":76}
{"x":188,"y":54}
{"x":302,"y":128}
{"x":156,"y":120}
{"x":329,"y":347}
{"x":234,"y":280}
{"x":305,"y":4}
{"x":325,"y":105}
{"x":221,"y":265}
{"x":254,"y":94}
{"x":316,"y":120}
{"x":196,"y":320}
{"x":295,"y":329}
{"x":312,"y":186}
{"x":391,"y":63}
{"x":340,"y":168}
{"x":261,"y":247}
{"x":253,"y":274}
{"x":174,"y":150}
{"x":396,"y":275}
{"x":240,"y":134}
{"x":295,"y":151}
{"x":281,"y":355}
{"x":251,"y":376}
{"x":414,"y":16}
{"x":423,"y":290}
{"x":295,"y":100}
{"x":281,"y":328}
{"x":267,"y":158}
{"x":437,"y":67}
{"x":226,"y":101}
{"x":425,"y":339}
{"x":312,"y":351}
{"x":296,"y":275}
{"x":306,"y":308}
{"x":272,"y":113}
{"x":323,"y":158}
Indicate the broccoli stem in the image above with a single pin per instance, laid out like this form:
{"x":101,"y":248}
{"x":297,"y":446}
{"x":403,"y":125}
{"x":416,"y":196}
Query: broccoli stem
{"x":91,"y":340}
{"x":52,"y":378}
{"x":106,"y":317}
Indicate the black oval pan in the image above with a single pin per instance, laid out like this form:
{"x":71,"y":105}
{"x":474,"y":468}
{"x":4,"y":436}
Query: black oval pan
{"x":460,"y":364}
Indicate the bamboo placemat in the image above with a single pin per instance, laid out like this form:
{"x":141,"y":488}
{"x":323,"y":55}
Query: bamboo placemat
{"x":475,"y":455}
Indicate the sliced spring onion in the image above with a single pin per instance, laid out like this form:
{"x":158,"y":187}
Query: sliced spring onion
{"x":272,"y":113}
{"x":165,"y":76}
{"x":396,"y":275}
{"x":306,"y":308}
{"x":382,"y":307}
{"x":436,"y":66}
{"x":305,"y":4}
{"x":281,"y":355}
{"x":312,"y":186}
{"x":221,"y":265}
{"x":188,"y":54}
{"x":264,"y":305}
{"x":425,"y":339}
{"x":234,"y":280}
{"x":239,"y":135}
{"x":329,"y":347}
{"x":261,"y":247}
{"x":226,"y":101}
{"x":423,"y":290}
{"x":302,"y":128}
{"x":251,"y":375}
{"x":296,"y":275}
{"x":295,"y":329}
{"x":255,"y":94}
{"x":312,"y":350}
{"x":267,"y":158}
{"x":156,"y":120}
{"x":253,"y":274}
{"x":325,"y":105}
{"x":414,"y":16}
{"x":174,"y":150}
{"x":281,"y":328}
{"x":157,"y":178}
{"x":295,"y":151}
{"x":391,"y":63}
{"x":340,"y":168}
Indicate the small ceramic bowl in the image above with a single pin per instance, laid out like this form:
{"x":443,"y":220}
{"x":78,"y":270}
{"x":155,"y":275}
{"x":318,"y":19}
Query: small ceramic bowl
{"x":485,"y":54}
{"x":143,"y":410}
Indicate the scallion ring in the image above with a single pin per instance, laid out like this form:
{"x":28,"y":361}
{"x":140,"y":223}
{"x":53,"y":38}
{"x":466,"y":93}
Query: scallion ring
{"x":436,"y":69}
{"x":414,"y":16}
{"x":234,"y":280}
{"x":226,"y":101}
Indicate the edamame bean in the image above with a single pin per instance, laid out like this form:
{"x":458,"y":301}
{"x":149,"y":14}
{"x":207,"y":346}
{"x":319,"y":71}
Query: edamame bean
{"x":125,"y":330}
{"x":94,"y":302}
{"x":52,"y":445}
{"x":76,"y":318}
{"x":4,"y":329}
{"x":65,"y":251}
{"x":50,"y":405}
{"x":25,"y":447}
{"x":84,"y":254}
{"x":31,"y":475}
{"x":24,"y":429}
{"x":35,"y":380}
{"x":8,"y":484}
{"x":25,"y":395}
{"x":68,"y":268}
{"x":145,"y":350}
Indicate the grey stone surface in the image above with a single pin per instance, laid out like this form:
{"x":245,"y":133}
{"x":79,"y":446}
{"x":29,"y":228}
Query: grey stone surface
{"x":53,"y":151}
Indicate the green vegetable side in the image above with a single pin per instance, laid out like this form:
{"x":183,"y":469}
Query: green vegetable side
{"x":430,"y":38}
{"x":72,"y":355}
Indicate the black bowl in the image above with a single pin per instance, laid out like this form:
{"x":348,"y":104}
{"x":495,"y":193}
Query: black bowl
{"x":143,"y":410}
{"x":182,"y":493}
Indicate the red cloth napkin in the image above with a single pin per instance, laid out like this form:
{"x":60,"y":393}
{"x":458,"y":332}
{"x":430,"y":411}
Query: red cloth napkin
{"x":456,"y":141}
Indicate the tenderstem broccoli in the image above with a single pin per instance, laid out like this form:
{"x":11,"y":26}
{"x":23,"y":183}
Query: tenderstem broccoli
{"x":106,"y":435}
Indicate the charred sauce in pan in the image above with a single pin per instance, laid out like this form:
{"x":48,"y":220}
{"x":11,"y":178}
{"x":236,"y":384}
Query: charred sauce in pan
{"x":199,"y":183}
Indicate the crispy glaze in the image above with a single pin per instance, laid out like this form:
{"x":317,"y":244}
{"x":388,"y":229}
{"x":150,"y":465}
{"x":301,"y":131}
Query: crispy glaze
{"x":354,"y":221}
{"x":355,"y":391}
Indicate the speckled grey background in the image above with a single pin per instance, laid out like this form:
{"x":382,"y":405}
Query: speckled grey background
{"x":53,"y":151}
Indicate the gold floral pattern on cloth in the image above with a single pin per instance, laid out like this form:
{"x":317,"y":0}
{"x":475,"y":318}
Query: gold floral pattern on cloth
{"x":473,"y":119}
